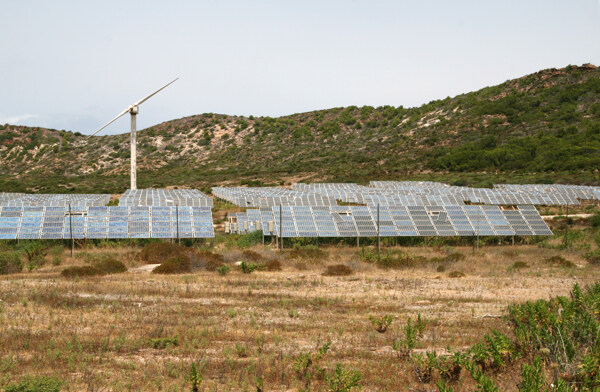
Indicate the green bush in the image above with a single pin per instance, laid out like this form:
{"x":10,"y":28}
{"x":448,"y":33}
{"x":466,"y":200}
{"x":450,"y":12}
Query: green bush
{"x":223,"y":270}
{"x":248,"y":268}
{"x":35,"y":384}
{"x":382,"y":323}
{"x":595,"y":220}
{"x":10,"y":262}
{"x":342,"y":380}
{"x":250,"y":239}
{"x":160,"y":343}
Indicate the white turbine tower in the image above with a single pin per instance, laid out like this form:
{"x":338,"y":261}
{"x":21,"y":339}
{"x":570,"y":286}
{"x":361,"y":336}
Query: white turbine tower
{"x":133,"y":110}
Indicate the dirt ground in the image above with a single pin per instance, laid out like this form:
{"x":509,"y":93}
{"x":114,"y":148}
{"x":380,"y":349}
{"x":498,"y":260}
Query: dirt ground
{"x":139,"y":331}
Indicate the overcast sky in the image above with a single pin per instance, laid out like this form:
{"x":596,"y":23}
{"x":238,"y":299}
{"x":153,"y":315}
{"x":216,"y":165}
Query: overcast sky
{"x":74,"y":65}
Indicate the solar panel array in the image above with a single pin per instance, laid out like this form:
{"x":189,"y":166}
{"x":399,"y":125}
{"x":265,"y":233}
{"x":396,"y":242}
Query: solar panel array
{"x":266,"y":197}
{"x":53,"y":200}
{"x":99,"y":222}
{"x":558,"y":190}
{"x":165,"y":197}
{"x":394,"y":221}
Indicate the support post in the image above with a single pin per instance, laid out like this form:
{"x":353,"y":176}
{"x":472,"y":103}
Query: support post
{"x":478,"y":220}
{"x":133,"y":112}
{"x":71,"y":229}
{"x":177,"y":212}
{"x":567,"y":227}
{"x":378,"y":237}
{"x":281,"y":226}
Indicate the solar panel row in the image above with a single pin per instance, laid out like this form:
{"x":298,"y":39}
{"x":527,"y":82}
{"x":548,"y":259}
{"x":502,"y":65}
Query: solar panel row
{"x":165,"y":197}
{"x":21,"y":199}
{"x":394,"y":221}
{"x":105,"y":222}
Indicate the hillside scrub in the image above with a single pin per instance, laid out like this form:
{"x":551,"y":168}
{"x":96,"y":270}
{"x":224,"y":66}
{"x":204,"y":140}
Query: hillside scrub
{"x":543,"y":127}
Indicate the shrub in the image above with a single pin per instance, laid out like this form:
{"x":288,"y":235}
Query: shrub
{"x":248,"y":268}
{"x":250,"y":239}
{"x":337,"y":270}
{"x":241,"y":350}
{"x":560,"y":261}
{"x":441,"y":268}
{"x":160,"y":343}
{"x":456,"y":274}
{"x":195,"y":377}
{"x":595,"y":220}
{"x":109,"y":265}
{"x":593,"y":257}
{"x":81,"y":271}
{"x":454,"y":257}
{"x":519,"y":265}
{"x":342,"y":380}
{"x":252,"y":255}
{"x":382,"y":323}
{"x":223,"y":270}
{"x":176,"y":265}
{"x":308,"y":365}
{"x":308,"y":252}
{"x":35,"y":253}
{"x":35,"y":384}
{"x":273,"y":265}
{"x":160,"y":251}
{"x":412,"y":334}
{"x":56,"y":254}
{"x":211,"y":260}
{"x":10,"y":263}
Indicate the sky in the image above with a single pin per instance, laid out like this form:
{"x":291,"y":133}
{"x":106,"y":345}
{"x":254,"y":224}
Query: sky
{"x":74,"y":65}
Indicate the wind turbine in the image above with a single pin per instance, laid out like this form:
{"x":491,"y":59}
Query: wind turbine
{"x":133,"y":110}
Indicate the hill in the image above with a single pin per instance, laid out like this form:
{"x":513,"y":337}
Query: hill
{"x":543,"y":127}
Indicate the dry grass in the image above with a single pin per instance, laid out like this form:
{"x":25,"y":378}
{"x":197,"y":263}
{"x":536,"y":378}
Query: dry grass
{"x":106,"y":328}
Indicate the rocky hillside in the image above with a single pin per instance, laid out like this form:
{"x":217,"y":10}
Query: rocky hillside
{"x":542,"y":127}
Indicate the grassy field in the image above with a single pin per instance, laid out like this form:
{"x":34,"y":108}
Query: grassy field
{"x":255,"y":331}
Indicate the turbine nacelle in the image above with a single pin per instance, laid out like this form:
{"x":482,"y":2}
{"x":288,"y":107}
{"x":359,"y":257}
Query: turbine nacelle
{"x":134,"y":109}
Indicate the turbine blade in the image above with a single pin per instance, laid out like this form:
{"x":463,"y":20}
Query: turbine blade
{"x":110,"y":122}
{"x":148,"y":97}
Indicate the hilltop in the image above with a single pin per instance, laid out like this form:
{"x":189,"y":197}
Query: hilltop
{"x":543,"y":127}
